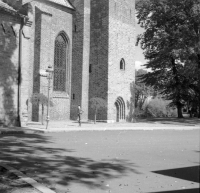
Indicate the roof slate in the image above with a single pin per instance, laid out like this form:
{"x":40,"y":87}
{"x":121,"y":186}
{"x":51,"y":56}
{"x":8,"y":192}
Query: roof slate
{"x":63,"y":2}
{"x":6,"y":6}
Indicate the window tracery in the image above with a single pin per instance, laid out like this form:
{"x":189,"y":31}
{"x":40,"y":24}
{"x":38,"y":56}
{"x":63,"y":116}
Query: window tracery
{"x":60,"y":62}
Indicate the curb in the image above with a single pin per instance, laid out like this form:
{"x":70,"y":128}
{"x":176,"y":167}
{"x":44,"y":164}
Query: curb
{"x":20,"y":131}
{"x":28,"y":180}
{"x":138,"y":128}
{"x":11,"y":132}
{"x":36,"y":130}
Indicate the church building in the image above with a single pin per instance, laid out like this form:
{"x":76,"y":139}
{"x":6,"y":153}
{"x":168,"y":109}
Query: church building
{"x":89,"y":44}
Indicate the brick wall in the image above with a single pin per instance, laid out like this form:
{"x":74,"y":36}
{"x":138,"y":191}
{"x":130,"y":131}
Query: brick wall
{"x":112,"y":39}
{"x":98,"y":77}
{"x":121,"y":45}
{"x":100,"y":34}
{"x":9,"y":60}
{"x":48,"y":22}
{"x":80,"y":58}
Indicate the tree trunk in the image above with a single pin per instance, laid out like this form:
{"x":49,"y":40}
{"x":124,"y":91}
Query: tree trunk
{"x":42,"y":114}
{"x":199,"y":84}
{"x":19,"y":77}
{"x":198,"y":103}
{"x":179,"y":110}
{"x":178,"y":97}
{"x":199,"y":88}
{"x":95,"y":116}
{"x":199,"y":107}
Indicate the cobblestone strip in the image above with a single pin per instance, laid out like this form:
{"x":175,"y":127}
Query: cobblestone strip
{"x":28,"y":180}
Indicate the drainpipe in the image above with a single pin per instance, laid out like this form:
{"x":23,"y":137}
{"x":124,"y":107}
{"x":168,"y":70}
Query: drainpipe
{"x":19,"y":74}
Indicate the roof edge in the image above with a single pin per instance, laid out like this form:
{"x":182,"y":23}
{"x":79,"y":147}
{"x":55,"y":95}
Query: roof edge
{"x":49,"y":1}
{"x":13,"y":11}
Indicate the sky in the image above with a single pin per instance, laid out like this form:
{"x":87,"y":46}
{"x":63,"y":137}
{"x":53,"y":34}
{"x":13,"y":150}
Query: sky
{"x":139,"y":57}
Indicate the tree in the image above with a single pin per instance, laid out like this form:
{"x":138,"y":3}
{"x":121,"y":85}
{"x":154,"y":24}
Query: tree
{"x":96,"y":104}
{"x":169,"y":43}
{"x":192,"y":41}
{"x":39,"y":98}
{"x":141,"y":90}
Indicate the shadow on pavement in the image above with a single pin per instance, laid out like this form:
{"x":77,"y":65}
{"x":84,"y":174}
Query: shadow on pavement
{"x":187,"y":173}
{"x":36,"y":156}
{"x":10,"y":183}
{"x":195,"y":190}
{"x":169,"y":120}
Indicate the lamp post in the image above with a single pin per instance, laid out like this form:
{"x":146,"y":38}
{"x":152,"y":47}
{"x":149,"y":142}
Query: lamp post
{"x":49,"y":71}
{"x":49,"y":74}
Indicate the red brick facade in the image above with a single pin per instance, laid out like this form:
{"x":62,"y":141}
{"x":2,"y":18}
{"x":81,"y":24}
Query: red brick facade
{"x":112,"y":41}
{"x":80,"y":57}
{"x":97,"y":35}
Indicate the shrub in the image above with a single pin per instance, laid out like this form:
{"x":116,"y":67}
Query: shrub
{"x":139,"y":113}
{"x":173,"y":112}
{"x":157,"y":107}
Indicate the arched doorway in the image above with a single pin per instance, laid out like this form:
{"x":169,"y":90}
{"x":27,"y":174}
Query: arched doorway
{"x":120,"y":110}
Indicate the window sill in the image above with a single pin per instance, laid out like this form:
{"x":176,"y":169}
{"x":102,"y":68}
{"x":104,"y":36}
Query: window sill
{"x":57,"y":94}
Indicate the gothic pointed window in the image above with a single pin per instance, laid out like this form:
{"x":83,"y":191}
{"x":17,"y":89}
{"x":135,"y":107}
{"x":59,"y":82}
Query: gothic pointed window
{"x":122,"y":64}
{"x":60,"y":64}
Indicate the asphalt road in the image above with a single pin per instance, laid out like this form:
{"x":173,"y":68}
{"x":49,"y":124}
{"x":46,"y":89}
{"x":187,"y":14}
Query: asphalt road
{"x":108,"y":161}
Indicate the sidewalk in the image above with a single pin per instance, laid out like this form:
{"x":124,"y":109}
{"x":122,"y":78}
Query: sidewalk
{"x":145,"y":124}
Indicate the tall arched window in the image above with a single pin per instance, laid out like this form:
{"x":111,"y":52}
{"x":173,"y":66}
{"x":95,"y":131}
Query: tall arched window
{"x":60,"y":61}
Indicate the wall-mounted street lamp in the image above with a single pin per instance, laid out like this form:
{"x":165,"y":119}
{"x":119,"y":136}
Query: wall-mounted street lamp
{"x":49,"y":74}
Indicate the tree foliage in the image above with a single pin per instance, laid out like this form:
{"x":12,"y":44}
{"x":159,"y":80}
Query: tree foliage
{"x":171,"y":46}
{"x":141,"y":90}
{"x":40,"y":98}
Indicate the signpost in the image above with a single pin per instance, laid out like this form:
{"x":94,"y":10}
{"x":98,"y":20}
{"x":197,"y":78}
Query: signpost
{"x":49,"y":74}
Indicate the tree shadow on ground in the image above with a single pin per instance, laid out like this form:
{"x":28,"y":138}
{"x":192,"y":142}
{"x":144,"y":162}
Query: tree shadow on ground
{"x":170,"y":120}
{"x":9,"y":182}
{"x":36,"y":156}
